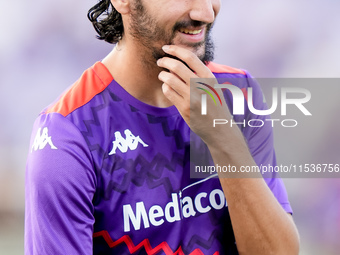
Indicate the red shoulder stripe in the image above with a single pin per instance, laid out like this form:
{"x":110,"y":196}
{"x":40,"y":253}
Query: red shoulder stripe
{"x":217,"y":68}
{"x":93,"y":81}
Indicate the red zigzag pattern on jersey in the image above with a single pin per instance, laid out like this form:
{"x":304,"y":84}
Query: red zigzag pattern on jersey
{"x":146,"y":243}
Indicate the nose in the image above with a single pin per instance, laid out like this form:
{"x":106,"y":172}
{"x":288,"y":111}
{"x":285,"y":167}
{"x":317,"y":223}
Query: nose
{"x":204,"y":10}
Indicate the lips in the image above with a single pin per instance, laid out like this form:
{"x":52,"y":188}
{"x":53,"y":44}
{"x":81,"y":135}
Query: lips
{"x":191,"y":35}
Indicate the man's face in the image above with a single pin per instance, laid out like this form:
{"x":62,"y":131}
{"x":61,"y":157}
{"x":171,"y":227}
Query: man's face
{"x":155,"y":23}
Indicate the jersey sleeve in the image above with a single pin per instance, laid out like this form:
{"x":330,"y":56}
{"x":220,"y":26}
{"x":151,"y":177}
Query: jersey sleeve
{"x":60,"y":184}
{"x":261,"y":143}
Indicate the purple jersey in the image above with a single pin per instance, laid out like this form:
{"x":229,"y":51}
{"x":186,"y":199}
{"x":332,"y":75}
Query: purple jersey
{"x":108,"y":174}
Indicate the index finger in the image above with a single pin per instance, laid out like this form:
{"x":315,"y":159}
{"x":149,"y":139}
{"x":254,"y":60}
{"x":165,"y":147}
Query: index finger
{"x":190,"y":59}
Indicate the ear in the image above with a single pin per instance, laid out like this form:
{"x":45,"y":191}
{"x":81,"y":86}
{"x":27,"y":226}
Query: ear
{"x":122,"y":6}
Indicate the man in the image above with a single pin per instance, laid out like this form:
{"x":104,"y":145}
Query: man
{"x":109,"y":167}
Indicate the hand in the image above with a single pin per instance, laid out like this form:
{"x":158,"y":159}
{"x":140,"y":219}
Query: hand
{"x":176,"y":88}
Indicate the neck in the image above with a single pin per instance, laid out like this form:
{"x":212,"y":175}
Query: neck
{"x":137,"y":73}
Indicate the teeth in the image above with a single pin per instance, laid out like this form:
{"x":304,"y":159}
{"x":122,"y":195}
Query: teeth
{"x":191,"y":32}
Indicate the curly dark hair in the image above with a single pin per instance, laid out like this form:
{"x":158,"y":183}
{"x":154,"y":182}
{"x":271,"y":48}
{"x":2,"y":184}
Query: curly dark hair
{"x":110,"y":26}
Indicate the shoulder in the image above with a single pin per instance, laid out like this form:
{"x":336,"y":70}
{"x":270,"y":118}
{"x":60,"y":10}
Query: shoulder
{"x":223,"y":69}
{"x":92,"y":82}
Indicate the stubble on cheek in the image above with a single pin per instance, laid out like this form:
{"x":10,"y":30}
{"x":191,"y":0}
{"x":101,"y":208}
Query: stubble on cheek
{"x":149,"y":33}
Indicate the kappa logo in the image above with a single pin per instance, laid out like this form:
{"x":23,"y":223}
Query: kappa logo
{"x":42,"y":139}
{"x":129,"y":142}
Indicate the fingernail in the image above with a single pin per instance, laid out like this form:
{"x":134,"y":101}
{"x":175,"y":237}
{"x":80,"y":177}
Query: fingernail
{"x":158,"y":62}
{"x":166,"y":47}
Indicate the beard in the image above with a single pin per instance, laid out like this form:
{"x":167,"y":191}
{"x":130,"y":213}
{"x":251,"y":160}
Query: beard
{"x":147,"y":31}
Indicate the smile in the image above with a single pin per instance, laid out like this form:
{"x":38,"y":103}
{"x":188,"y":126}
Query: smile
{"x":191,"y":32}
